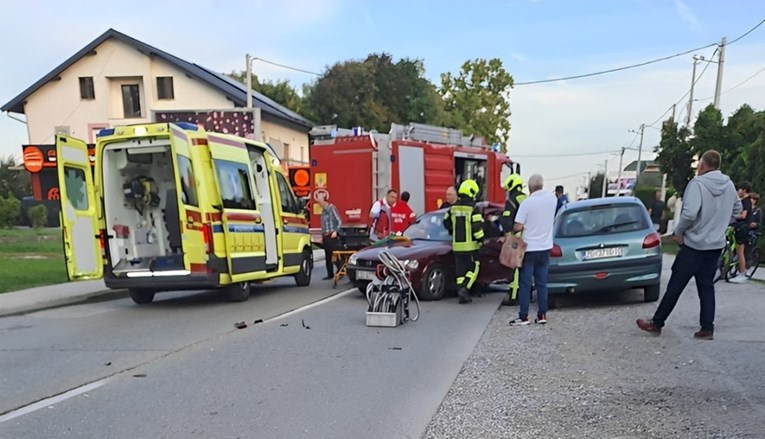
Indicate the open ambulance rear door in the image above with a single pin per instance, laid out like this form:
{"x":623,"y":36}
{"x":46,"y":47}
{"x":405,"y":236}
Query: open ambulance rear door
{"x":242,"y":223}
{"x":79,"y":211}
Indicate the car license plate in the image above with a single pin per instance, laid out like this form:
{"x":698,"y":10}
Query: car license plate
{"x":365,"y":275}
{"x":600,"y":253}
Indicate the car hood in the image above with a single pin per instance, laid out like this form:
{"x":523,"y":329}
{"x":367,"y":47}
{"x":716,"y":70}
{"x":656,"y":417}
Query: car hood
{"x":404,"y":250}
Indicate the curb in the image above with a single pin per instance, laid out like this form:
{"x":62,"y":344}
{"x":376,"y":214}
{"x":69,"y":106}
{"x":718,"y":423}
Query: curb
{"x":80,"y":298}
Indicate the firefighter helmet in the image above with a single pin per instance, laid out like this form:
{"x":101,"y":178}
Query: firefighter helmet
{"x":469,"y":188}
{"x":513,"y":181}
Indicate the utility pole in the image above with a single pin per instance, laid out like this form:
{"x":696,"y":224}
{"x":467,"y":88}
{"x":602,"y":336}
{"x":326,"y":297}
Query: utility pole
{"x":673,"y":112}
{"x":696,"y":60}
{"x":619,"y":178}
{"x":248,"y":58}
{"x":605,"y":180}
{"x":640,"y":151}
{"x":718,"y":86}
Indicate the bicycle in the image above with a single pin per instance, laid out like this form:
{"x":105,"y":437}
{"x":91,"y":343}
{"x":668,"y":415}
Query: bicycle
{"x":727,"y":267}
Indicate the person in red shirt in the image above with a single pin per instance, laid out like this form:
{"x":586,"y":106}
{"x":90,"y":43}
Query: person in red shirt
{"x":401,"y":214}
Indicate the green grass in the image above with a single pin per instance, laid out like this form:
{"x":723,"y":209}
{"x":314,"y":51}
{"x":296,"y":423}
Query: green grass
{"x":669,"y":246}
{"x":30,"y":258}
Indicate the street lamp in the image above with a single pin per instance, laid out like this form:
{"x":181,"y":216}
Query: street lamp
{"x":255,"y":111}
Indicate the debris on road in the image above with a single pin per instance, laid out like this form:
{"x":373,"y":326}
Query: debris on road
{"x":240,"y":325}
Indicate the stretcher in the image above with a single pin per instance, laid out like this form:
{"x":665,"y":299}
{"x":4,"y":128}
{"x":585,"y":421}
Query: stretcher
{"x":340,"y":260}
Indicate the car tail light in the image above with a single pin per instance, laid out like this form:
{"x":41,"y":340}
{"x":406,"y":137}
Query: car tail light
{"x":652,"y":240}
{"x":556,"y":251}
{"x":207,"y":235}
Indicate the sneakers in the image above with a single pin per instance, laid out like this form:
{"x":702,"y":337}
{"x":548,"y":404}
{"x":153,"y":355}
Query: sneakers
{"x":739,"y":279}
{"x":541,"y":319}
{"x":519,"y":322}
{"x":648,"y":326}
{"x":704,"y":335}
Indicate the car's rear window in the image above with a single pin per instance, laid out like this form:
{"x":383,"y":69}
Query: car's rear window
{"x":429,"y":227}
{"x":599,"y":220}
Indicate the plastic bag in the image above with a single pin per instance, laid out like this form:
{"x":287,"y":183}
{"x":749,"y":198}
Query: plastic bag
{"x":513,"y":250}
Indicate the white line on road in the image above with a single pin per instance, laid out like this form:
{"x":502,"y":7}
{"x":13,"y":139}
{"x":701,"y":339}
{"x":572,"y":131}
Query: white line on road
{"x":312,"y":305}
{"x":51,"y":401}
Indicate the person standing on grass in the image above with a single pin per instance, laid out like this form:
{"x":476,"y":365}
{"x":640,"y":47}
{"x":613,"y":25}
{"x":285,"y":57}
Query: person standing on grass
{"x":710,"y":202}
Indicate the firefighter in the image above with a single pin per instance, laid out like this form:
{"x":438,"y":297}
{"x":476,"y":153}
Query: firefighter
{"x":465,"y":223}
{"x":514,"y":186}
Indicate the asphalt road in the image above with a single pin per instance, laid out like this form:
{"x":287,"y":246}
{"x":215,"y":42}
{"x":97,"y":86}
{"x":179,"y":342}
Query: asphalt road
{"x":179,"y":368}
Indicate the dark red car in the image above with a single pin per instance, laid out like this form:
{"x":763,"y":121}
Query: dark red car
{"x":427,"y":253}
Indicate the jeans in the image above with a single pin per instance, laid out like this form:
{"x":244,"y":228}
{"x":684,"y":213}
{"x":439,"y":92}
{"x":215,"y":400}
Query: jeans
{"x":535,"y":264}
{"x":690,"y":263}
{"x":329,"y":244}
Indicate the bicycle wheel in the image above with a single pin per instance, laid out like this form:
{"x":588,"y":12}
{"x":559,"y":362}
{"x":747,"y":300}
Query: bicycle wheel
{"x":723,"y":265}
{"x":755,"y":263}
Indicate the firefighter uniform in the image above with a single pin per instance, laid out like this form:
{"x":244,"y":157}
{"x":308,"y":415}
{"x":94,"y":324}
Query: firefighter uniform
{"x":465,"y":223}
{"x":514,"y":186}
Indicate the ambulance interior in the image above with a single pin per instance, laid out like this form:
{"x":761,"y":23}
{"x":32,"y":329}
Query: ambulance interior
{"x":141,"y":208}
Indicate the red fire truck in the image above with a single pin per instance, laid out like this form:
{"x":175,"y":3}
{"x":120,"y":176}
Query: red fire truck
{"x":354,"y":168}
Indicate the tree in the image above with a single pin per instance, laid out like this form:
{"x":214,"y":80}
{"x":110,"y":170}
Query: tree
{"x":596,"y":185}
{"x":674,"y":154}
{"x":13,"y":182}
{"x":374,"y":93}
{"x":280,"y":91}
{"x":478,"y":99}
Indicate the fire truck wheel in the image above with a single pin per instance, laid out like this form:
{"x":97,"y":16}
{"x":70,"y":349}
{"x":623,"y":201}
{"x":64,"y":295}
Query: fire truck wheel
{"x":238,"y":292}
{"x":303,"y":278}
{"x":141,"y":295}
{"x":433,"y":283}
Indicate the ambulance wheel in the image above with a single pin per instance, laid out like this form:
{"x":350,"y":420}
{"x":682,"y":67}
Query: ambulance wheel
{"x":141,"y":295}
{"x":433,"y":283}
{"x":303,"y":278}
{"x":238,"y":292}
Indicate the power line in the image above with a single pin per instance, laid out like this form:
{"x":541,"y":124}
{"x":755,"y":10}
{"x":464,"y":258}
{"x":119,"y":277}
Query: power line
{"x":542,"y":81}
{"x":576,"y":154}
{"x":697,"y":79}
{"x":748,"y":32}
{"x":737,"y":85}
{"x":287,"y":67}
{"x":618,"y":69}
{"x":566,"y":176}
{"x":603,"y":72}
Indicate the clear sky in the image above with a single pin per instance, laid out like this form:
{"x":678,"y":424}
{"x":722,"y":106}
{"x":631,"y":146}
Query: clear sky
{"x":554,"y":125}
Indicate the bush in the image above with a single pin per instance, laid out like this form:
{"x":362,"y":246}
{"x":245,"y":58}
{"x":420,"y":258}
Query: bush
{"x":38,"y":216}
{"x":10,"y":211}
{"x":646,"y":194}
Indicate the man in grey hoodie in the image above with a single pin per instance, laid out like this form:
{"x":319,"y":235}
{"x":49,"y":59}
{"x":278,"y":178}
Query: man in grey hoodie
{"x":710,"y":201}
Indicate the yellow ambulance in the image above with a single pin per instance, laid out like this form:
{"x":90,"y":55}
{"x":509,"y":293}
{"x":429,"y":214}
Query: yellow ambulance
{"x":173,"y":207}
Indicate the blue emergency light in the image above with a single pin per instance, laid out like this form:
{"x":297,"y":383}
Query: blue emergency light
{"x":105,"y":132}
{"x":187,"y":126}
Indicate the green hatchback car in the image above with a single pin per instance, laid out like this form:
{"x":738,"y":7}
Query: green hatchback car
{"x":605,"y":244}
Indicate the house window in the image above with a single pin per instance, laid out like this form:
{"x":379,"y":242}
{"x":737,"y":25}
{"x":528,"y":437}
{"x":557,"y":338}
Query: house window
{"x":165,"y":87}
{"x":131,"y":101}
{"x":87,"y":90}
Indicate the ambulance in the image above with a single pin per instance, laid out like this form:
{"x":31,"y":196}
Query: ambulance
{"x":169,"y":206}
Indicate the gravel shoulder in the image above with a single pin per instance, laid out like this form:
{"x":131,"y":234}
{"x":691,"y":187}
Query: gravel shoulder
{"x":590,"y":373}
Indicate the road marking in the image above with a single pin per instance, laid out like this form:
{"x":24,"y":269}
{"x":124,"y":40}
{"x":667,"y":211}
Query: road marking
{"x":51,"y":401}
{"x":313,"y":305}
